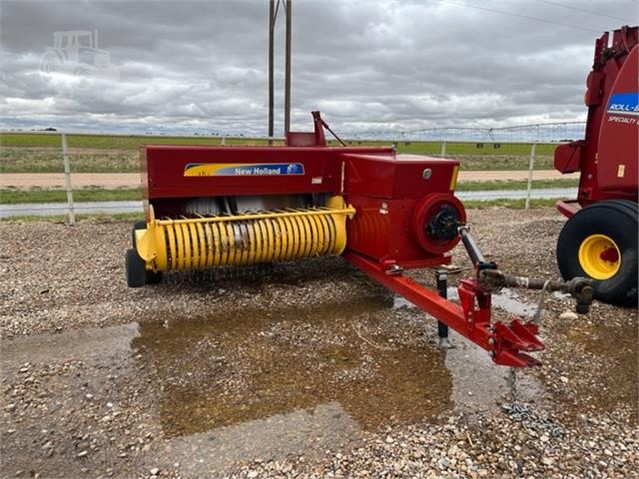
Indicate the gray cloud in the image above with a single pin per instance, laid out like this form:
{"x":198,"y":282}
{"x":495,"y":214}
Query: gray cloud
{"x":368,"y":65}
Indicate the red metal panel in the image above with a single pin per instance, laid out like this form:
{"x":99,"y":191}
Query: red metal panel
{"x":386,"y":190}
{"x":385,"y":230}
{"x":607,"y":146}
{"x":167,"y":166}
{"x":401,"y":176}
{"x":381,"y":229}
{"x":618,"y":153}
{"x":568,"y":157}
{"x":317,"y":138}
{"x":567,"y":208}
{"x":144,"y":181}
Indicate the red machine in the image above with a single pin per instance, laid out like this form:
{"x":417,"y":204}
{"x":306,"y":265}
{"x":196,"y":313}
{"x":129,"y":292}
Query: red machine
{"x":599,"y":240}
{"x":217,"y":207}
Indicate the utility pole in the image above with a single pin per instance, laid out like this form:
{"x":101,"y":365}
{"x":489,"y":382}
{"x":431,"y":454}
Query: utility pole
{"x":287,"y":80}
{"x":273,"y":8}
{"x":271,"y":34}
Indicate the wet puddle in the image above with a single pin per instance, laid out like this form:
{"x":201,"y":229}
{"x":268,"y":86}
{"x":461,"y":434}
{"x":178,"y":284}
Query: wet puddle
{"x":255,"y":364}
{"x":267,"y":383}
{"x":75,"y":344}
{"x":477,"y":383}
{"x":335,"y":368}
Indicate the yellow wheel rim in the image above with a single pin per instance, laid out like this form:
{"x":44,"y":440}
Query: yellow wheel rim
{"x":599,"y":257}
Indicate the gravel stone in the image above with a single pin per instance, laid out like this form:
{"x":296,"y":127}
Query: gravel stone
{"x":86,"y":372}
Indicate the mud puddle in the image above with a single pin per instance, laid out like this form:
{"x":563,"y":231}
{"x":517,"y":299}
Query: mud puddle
{"x":477,"y":383}
{"x":264,"y":383}
{"x":250,"y":365}
{"x":76,"y":344}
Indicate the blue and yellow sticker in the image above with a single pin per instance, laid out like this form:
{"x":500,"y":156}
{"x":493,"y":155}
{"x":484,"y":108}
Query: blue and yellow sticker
{"x":624,"y":103}
{"x":243,"y":169}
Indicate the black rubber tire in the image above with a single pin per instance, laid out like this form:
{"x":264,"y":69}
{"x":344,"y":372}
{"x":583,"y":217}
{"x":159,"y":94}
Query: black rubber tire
{"x":138,"y":225}
{"x":153,"y":277}
{"x":616,"y":219}
{"x":135,"y":270}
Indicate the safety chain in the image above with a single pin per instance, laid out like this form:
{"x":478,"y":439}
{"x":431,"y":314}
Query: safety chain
{"x":520,"y":412}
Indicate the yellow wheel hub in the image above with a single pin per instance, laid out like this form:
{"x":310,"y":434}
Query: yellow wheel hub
{"x":599,"y":257}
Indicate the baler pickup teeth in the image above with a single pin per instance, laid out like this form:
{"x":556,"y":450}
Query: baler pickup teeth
{"x":197,"y":244}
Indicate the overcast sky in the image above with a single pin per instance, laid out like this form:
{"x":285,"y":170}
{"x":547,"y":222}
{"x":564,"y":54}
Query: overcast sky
{"x":367,"y":65}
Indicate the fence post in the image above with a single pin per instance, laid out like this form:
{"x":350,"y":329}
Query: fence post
{"x":531,"y":168}
{"x":442,"y":153}
{"x":67,"y":179}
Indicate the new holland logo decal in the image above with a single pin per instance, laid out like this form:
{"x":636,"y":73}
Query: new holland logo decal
{"x":243,"y":169}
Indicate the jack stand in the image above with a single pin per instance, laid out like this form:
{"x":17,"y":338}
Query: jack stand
{"x":441,"y":276}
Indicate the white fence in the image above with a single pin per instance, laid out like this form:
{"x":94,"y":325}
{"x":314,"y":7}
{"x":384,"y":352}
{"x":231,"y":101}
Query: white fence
{"x":525,"y":148}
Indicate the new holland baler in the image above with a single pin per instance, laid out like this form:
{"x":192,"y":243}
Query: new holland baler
{"x":599,"y":240}
{"x":211,"y":207}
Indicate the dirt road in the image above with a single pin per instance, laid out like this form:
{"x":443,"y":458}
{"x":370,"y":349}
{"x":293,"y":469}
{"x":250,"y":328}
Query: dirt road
{"x":123,"y":180}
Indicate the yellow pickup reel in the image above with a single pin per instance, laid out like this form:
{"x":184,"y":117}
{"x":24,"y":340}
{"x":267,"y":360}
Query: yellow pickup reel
{"x":204,"y":242}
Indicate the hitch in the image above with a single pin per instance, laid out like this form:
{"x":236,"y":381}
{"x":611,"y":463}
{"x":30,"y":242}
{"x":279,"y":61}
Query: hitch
{"x":508,"y":344}
{"x":579,"y":288}
{"x":490,"y":278}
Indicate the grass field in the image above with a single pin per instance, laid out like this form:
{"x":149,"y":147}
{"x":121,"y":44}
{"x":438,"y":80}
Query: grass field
{"x":10,"y":196}
{"x":28,"y":140}
{"x":33,"y":153}
{"x":94,"y":218}
{"x":34,"y":140}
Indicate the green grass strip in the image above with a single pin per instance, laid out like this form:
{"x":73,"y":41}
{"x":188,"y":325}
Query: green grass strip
{"x":10,"y":196}
{"x":94,"y":218}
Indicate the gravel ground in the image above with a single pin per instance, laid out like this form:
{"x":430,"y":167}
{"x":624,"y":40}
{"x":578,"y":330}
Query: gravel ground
{"x":305,"y":370}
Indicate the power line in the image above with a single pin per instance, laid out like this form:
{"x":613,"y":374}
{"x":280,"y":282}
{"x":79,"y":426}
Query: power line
{"x":518,"y":15}
{"x":577,"y":9}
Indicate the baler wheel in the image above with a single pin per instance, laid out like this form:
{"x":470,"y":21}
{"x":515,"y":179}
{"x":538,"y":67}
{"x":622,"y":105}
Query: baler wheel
{"x":153,"y":277}
{"x":135,"y":270}
{"x":600,"y":242}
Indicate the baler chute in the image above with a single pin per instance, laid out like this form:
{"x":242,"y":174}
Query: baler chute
{"x":213,"y":207}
